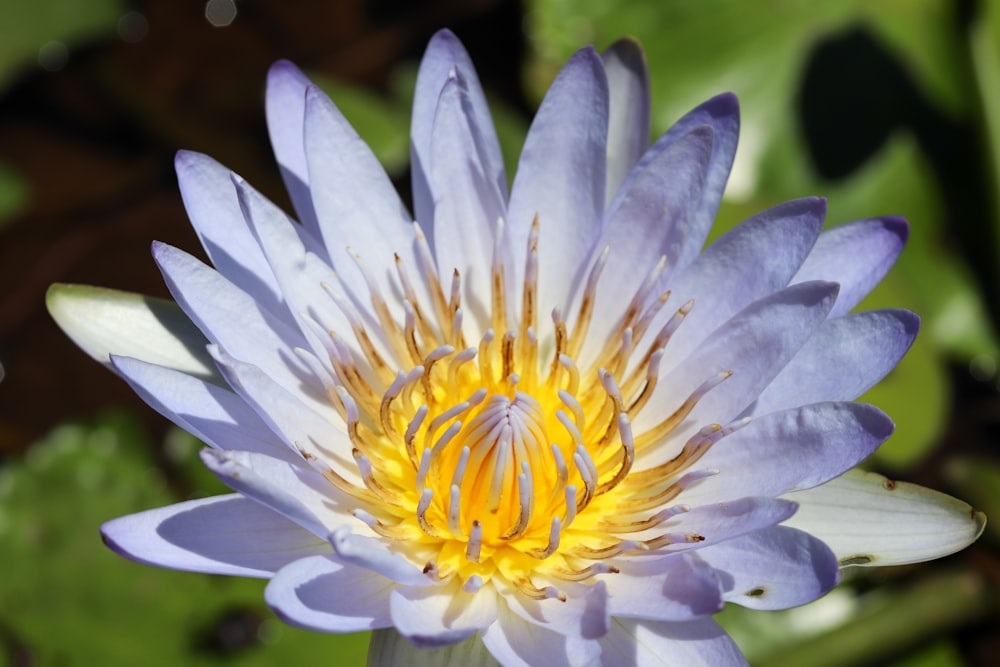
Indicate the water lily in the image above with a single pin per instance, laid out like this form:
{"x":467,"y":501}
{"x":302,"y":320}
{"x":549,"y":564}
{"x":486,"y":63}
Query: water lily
{"x":543,"y":426}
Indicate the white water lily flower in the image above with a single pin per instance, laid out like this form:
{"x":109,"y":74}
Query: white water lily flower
{"x":547,"y":423}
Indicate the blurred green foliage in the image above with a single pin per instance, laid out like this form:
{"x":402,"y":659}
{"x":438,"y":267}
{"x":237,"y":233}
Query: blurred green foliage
{"x":67,"y":600}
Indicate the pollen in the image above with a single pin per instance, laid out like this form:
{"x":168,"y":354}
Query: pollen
{"x":505,"y":457}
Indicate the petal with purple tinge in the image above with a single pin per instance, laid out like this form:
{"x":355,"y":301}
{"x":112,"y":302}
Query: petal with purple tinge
{"x":230,"y":535}
{"x":321,"y":594}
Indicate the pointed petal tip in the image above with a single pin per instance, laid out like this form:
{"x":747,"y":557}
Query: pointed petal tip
{"x":898,"y":225}
{"x":629,"y":50}
{"x":284,"y":70}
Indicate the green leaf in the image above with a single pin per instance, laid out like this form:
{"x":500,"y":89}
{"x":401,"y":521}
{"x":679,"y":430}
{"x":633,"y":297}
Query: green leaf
{"x":65,"y":599}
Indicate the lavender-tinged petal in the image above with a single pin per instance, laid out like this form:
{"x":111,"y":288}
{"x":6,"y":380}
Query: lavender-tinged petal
{"x":210,"y":199}
{"x":285,"y":105}
{"x":774,"y":568}
{"x":713,"y":523}
{"x":468,"y":203}
{"x":444,"y":55}
{"x":516,"y":642}
{"x":844,"y":358}
{"x":751,"y":261}
{"x":371,"y":554}
{"x":232,"y":318}
{"x":298,"y":424}
{"x":791,"y":450}
{"x":754,"y":345}
{"x":322,"y":594}
{"x":680,"y":587}
{"x":358,"y":209}
{"x":440,"y":616}
{"x":560,"y":177}
{"x":857,"y":255}
{"x":722,"y":114}
{"x":297,"y":493}
{"x":870,"y":520}
{"x":629,"y":110}
{"x":229,"y":535}
{"x":700,"y":643}
{"x":582,"y":615}
{"x":300,"y":272}
{"x":388,"y":648}
{"x":213,"y":414}
{"x":105,"y":321}
{"x":658,"y":198}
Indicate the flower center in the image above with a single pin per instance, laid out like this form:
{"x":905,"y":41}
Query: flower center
{"x":495,"y":459}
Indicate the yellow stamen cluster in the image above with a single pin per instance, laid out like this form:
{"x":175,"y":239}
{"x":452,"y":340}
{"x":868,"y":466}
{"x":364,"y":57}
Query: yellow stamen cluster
{"x":493,"y":459}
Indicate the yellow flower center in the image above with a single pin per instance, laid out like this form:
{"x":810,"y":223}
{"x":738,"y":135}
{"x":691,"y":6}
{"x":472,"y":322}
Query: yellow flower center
{"x":494,"y":459}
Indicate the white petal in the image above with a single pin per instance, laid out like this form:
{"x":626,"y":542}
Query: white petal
{"x":359,"y":211}
{"x":299,"y":494}
{"x":869,"y":520}
{"x":285,"y":104}
{"x":560,"y":177}
{"x":213,"y":414}
{"x":629,"y":109}
{"x":230,"y":535}
{"x":321,"y":594}
{"x":105,"y":321}
{"x":444,"y":55}
{"x":389,"y":649}
{"x":232,"y":318}
{"x":298,"y":424}
{"x":467,"y":203}
{"x":371,"y":553}
{"x":701,"y":643}
{"x":516,"y":642}
{"x":435,"y":616}
{"x":583,"y":614}
{"x":211,"y":203}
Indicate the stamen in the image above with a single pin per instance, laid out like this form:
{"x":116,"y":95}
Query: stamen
{"x":588,"y":474}
{"x":411,"y":296}
{"x":529,"y":590}
{"x":473,"y":584}
{"x":587,"y":303}
{"x":586,"y":573}
{"x":628,"y":455}
{"x":662,"y":429}
{"x":525,"y":493}
{"x":574,"y":373}
{"x":475,"y":544}
{"x":530,"y":294}
{"x":429,"y":266}
{"x":498,"y":297}
{"x":570,"y":505}
{"x":555,"y":531}
{"x":411,"y":433}
{"x":425,"y":502}
{"x":574,"y":406}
